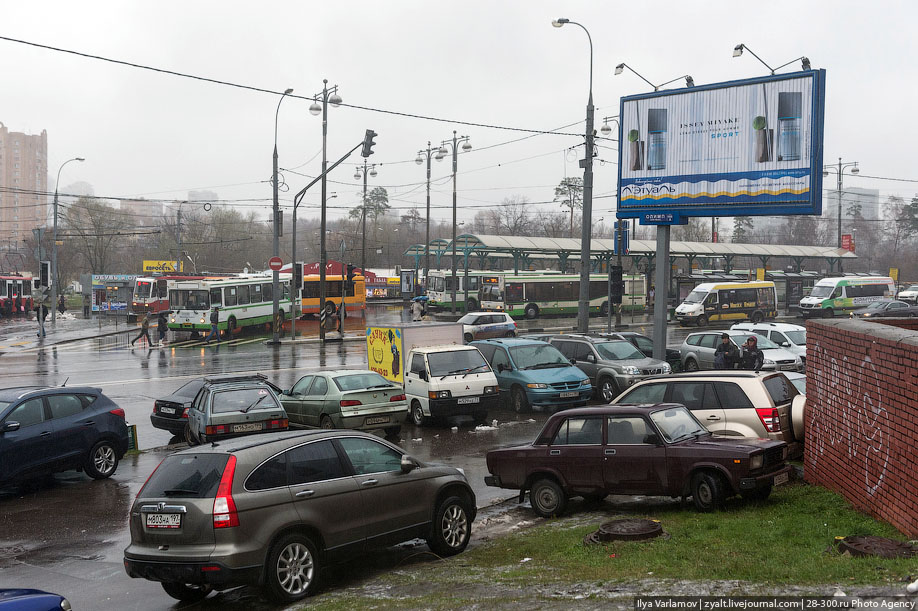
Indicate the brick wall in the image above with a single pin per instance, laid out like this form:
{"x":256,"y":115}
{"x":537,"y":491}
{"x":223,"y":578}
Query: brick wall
{"x":862,"y":415}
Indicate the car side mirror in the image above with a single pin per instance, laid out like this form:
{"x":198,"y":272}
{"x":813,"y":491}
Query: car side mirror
{"x":500,"y":368}
{"x":652,"y":439}
{"x":573,"y":361}
{"x":423,"y":375}
{"x":409,"y":464}
{"x":10,"y":427}
{"x":785,"y":344}
{"x":590,"y":358}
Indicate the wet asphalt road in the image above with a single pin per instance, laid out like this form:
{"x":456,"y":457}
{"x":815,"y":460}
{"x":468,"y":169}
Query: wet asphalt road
{"x":66,"y":534}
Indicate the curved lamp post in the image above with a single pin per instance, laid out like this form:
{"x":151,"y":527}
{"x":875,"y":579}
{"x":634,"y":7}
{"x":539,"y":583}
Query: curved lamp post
{"x":441,"y":153}
{"x":840,"y":171}
{"x":428,"y":152}
{"x":53,"y":278}
{"x":364,"y":170}
{"x":275,"y":284}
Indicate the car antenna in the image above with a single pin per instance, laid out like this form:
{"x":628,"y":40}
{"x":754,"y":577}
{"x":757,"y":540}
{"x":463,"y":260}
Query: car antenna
{"x":65,"y":382}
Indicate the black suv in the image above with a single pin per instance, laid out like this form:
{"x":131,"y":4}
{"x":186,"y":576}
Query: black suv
{"x":46,"y":430}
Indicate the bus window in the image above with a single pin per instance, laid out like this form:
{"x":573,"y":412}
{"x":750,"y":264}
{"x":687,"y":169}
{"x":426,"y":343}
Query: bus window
{"x":229,"y":293}
{"x":514,"y":292}
{"x":267,"y":291}
{"x":836,"y":293}
{"x":597,"y":289}
{"x":255,"y":293}
{"x":215,"y":297}
{"x":242,"y":292}
{"x":711,"y":299}
{"x":286,"y":292}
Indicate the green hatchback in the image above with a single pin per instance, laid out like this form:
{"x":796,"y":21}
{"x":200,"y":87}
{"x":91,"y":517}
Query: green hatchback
{"x":347,"y":399}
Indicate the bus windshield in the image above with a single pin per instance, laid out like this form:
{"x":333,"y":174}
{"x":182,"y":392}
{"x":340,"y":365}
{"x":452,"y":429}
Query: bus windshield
{"x":696,"y":297}
{"x":184,"y":299}
{"x":142,"y":289}
{"x":822,"y":290}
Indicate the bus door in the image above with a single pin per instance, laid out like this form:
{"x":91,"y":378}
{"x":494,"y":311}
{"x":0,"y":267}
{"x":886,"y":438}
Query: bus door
{"x":711,"y":305}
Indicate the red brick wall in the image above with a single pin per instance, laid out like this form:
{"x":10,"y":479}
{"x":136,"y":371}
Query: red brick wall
{"x":862,"y":415}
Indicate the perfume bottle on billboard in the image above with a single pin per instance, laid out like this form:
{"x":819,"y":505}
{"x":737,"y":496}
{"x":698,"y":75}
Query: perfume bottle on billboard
{"x":764,"y":139}
{"x":637,"y":149}
{"x":790,"y":107}
{"x":656,"y":134}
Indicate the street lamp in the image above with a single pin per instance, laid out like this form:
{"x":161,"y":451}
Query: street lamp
{"x":328,"y":96}
{"x":275,"y":281}
{"x":441,"y":153}
{"x":583,"y":307}
{"x":619,"y":233}
{"x":840,"y":171}
{"x":363,"y":247}
{"x":53,"y":279}
{"x":804,"y":61}
{"x":689,"y":81}
{"x":420,"y":159}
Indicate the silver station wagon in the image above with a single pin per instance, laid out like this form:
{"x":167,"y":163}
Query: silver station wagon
{"x":234,"y":405}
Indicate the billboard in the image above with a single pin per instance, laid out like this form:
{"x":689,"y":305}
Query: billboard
{"x":162,"y":266}
{"x":751,"y":147}
{"x":384,"y":352}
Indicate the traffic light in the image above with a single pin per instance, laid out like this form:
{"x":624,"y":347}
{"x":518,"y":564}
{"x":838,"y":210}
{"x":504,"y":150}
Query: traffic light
{"x":350,"y":272}
{"x":618,"y":285}
{"x":368,"y":143}
{"x":279,"y":222}
{"x":44,"y":273}
{"x":297,"y":276}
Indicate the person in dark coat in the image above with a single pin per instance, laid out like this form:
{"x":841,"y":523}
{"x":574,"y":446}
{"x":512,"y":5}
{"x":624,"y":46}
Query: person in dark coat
{"x":727,"y":355}
{"x":61,"y":306}
{"x":144,"y":330}
{"x":214,"y":322}
{"x":17,"y":305}
{"x":752,"y":358}
{"x":162,"y":326}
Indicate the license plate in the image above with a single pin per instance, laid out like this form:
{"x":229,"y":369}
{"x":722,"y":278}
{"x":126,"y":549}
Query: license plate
{"x":466,"y":400}
{"x":788,"y":367}
{"x":569,"y":393}
{"x":166,"y":410}
{"x":780,"y":479}
{"x":164,"y":520}
{"x":246,"y":428}
{"x":187,"y":324}
{"x":377,"y":420}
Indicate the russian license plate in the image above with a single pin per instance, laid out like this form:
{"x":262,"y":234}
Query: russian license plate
{"x":164,"y":520}
{"x":569,"y":393}
{"x":466,"y":400}
{"x":780,"y":479}
{"x":377,"y":420}
{"x":788,"y":367}
{"x":166,"y":410}
{"x":247,"y":428}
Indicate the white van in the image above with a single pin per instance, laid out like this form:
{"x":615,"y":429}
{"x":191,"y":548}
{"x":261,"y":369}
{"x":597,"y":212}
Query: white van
{"x":833,"y":296}
{"x":714,"y":301}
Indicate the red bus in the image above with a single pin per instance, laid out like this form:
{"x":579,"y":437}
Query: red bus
{"x":12,"y":286}
{"x":151,"y":293}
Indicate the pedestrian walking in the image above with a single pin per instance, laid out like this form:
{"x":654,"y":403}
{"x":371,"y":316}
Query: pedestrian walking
{"x":752,"y":358}
{"x":17,"y":305}
{"x":417,"y":310}
{"x":61,"y":306}
{"x":161,"y":327}
{"x":214,"y":321}
{"x":727,"y":355}
{"x":144,"y":330}
{"x":41,"y":313}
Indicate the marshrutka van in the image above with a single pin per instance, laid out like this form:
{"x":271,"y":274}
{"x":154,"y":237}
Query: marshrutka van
{"x":833,"y":296}
{"x":713,"y":301}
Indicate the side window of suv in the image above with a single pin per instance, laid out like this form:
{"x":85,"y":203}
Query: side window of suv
{"x":272,"y":474}
{"x":566,"y":348}
{"x":695,"y":395}
{"x":29,"y":413}
{"x":648,"y":393}
{"x":732,"y":396}
{"x":582,"y":350}
{"x":369,"y":456}
{"x":314,"y":462}
{"x":500,"y":358}
{"x":64,"y":405}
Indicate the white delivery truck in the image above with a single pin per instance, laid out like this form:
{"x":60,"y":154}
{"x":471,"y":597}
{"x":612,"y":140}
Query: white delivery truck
{"x":442,"y":377}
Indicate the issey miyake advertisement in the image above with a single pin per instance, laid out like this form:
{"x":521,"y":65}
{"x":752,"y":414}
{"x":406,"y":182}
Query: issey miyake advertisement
{"x":751,"y":147}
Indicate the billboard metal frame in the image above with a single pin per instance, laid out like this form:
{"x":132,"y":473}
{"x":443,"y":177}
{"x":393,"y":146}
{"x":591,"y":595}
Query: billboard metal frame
{"x":676,"y":215}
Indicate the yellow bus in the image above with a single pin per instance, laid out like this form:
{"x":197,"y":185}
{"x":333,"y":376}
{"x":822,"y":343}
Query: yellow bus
{"x":355,"y":299}
{"x":713,"y":301}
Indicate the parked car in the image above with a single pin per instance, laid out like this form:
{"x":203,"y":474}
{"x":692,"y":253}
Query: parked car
{"x":531,"y":374}
{"x":654,"y":450}
{"x":612,"y":364}
{"x":170,"y":413}
{"x":645,"y":345}
{"x":888,"y":308}
{"x":790,"y":337}
{"x":27,"y":599}
{"x":733,"y":403}
{"x":346,"y":399}
{"x":46,"y":430}
{"x":909,"y":294}
{"x":233,"y":405}
{"x":277,"y":509}
{"x":798,"y":380}
{"x":484,"y":325}
{"x":697,"y":351}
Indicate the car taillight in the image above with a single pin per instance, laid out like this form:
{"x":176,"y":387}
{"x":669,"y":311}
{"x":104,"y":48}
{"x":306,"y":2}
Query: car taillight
{"x":272,"y":425}
{"x":769,"y":418}
{"x":396,"y":398}
{"x":185,"y":413}
{"x":155,"y":406}
{"x":118,"y":412}
{"x":225,"y":515}
{"x":219,"y":429}
{"x":349,"y":402}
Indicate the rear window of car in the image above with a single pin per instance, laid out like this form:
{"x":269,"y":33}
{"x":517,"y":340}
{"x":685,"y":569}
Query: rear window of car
{"x":361,"y":380}
{"x":187,"y":476}
{"x":191,"y":388}
{"x":242,"y":399}
{"x":780,"y":389}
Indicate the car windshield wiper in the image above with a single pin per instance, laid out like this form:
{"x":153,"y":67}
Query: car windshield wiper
{"x":260,"y":399}
{"x":178,"y":491}
{"x":454,"y":372}
{"x":547,"y":365}
{"x":471,"y":369}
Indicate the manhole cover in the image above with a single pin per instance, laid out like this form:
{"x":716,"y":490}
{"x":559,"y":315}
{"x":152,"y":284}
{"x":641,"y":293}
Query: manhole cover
{"x":626,"y":529}
{"x":868,"y":545}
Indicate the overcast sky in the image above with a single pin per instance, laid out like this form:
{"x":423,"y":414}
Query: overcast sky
{"x":155,"y":135}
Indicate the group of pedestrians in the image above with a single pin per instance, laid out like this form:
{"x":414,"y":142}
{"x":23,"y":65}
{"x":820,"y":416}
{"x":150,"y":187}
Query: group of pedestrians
{"x":728,"y":356}
{"x":162,"y":326}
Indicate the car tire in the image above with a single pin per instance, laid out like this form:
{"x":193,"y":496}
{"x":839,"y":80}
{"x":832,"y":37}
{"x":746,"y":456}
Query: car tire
{"x":326,"y":422}
{"x":513,"y":333}
{"x":468,"y":338}
{"x":691,"y":365}
{"x":707,"y":491}
{"x":606,"y":389}
{"x":471,"y":305}
{"x":102,"y":460}
{"x":417,"y":414}
{"x":702,"y":321}
{"x":186,"y":592}
{"x":757,"y":494}
{"x":293,"y":569}
{"x":189,"y":436}
{"x":393,"y":431}
{"x":531,"y":311}
{"x":547,"y":498}
{"x":757,"y":317}
{"x":519,"y":401}
{"x":452,"y":527}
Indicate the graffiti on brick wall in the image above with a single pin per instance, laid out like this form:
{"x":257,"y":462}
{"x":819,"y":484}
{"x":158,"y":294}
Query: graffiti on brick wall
{"x":852,"y":418}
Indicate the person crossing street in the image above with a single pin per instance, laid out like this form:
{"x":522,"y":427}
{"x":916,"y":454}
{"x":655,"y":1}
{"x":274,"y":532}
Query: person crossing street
{"x":214,"y":321}
{"x":144,"y":331}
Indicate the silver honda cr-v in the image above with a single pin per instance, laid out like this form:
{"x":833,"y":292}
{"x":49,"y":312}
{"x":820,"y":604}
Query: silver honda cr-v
{"x":278,"y":508}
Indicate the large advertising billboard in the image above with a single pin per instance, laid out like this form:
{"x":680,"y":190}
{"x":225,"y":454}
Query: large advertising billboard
{"x":751,"y":147}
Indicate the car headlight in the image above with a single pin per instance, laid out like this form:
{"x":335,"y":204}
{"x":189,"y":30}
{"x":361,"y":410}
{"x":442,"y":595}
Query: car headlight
{"x":173,"y":320}
{"x":585,"y":382}
{"x":768,"y":362}
{"x":537,"y":386}
{"x":439,"y":394}
{"x":491,"y":390}
{"x":756,"y":462}
{"x":867,"y":315}
{"x":667,"y":368}
{"x":631,"y":370}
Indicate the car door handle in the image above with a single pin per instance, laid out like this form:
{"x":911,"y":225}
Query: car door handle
{"x":46,"y":434}
{"x":713,"y":417}
{"x":305,"y":493}
{"x":90,"y":423}
{"x":370,"y":482}
{"x":609,"y":452}
{"x":554,"y":453}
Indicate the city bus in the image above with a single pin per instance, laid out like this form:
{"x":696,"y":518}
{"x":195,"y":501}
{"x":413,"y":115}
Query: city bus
{"x":532,"y":295}
{"x":244,"y":302}
{"x":831,"y":296}
{"x":355,"y":299}
{"x":440,"y":286}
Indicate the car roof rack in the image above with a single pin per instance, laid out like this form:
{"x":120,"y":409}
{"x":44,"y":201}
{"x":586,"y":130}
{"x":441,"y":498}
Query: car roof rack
{"x":235,"y":377}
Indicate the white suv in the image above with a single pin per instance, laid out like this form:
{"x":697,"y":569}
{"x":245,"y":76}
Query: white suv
{"x":790,"y":337}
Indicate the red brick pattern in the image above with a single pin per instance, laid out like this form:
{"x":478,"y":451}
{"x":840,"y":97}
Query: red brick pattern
{"x":862,"y":415}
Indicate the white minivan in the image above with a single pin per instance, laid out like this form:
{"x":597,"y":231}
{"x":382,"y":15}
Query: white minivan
{"x":833,"y":296}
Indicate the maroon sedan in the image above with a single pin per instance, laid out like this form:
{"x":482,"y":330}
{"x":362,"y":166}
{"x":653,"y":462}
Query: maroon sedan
{"x":658,"y":450}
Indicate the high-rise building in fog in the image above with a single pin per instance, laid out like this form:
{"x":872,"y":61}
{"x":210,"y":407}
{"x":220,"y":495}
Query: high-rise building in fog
{"x":23,"y":184}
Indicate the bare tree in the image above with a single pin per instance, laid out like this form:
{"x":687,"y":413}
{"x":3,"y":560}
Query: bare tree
{"x":96,"y":229}
{"x":514,"y":216}
{"x":696,"y":230}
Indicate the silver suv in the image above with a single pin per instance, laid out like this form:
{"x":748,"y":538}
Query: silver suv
{"x":733,"y":403}
{"x":698,"y":349}
{"x":277,"y":509}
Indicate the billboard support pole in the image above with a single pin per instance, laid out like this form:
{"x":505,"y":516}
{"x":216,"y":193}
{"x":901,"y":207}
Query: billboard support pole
{"x":661,"y":292}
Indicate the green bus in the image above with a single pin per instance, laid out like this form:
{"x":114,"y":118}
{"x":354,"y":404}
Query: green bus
{"x":534,"y":295}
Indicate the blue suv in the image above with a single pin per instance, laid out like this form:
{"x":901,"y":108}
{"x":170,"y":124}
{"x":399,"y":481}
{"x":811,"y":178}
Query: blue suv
{"x":533,"y":373}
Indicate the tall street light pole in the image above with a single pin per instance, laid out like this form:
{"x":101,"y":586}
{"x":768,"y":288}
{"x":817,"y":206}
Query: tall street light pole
{"x":364,"y":170}
{"x":428,"y":152}
{"x":275,"y":281}
{"x":619,"y":234}
{"x":329,"y":96}
{"x":441,"y":153}
{"x":583,"y":307}
{"x":53,"y":279}
{"x":840,"y":171}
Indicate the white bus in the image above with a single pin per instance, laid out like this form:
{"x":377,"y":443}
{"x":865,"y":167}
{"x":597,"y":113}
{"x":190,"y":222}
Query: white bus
{"x":244,"y":302}
{"x":440,"y":284}
{"x":831,"y":296}
{"x":532,"y":295}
